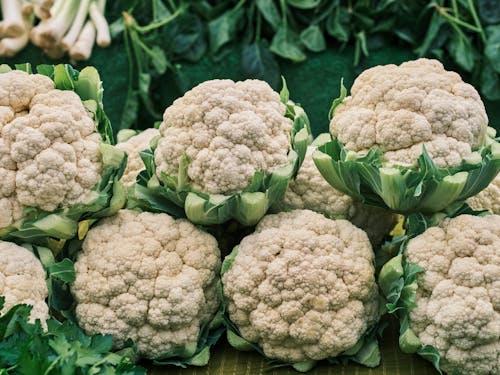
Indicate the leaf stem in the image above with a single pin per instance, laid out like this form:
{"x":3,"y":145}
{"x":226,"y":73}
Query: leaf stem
{"x":476,"y":20}
{"x":156,"y":25}
{"x":457,"y":21}
{"x":258,"y":27}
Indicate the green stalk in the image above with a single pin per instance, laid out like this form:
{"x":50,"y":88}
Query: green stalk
{"x":476,"y":20}
{"x":458,"y":21}
{"x":156,"y":25}
{"x":445,"y":193}
{"x":393,"y":187}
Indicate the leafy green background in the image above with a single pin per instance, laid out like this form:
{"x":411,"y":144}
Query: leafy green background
{"x":313,"y":83}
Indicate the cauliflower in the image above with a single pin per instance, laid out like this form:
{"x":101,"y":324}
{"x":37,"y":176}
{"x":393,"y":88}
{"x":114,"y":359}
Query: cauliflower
{"x":397,"y":135}
{"x":456,"y":308}
{"x":22,"y":281}
{"x":302,"y":287}
{"x":150,"y":278}
{"x":401,"y":108}
{"x":309,"y":190}
{"x":232,"y":146}
{"x":488,"y":199}
{"x":52,"y":156}
{"x":132,"y":147}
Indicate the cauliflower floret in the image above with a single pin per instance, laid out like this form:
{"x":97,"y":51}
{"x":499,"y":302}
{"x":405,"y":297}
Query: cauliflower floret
{"x":147,"y":277}
{"x":133,"y":146}
{"x":402,"y":108}
{"x":488,"y":199}
{"x":22,"y":281}
{"x":302,"y":286}
{"x":229,"y":130}
{"x":458,"y":297}
{"x":309,"y":190}
{"x":49,"y":146}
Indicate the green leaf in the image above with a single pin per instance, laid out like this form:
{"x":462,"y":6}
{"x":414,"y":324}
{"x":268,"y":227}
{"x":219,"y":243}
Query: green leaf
{"x":284,"y":93}
{"x":258,"y":62}
{"x":286,"y":44}
{"x":159,"y":59}
{"x":489,"y":11}
{"x":337,"y":24}
{"x":492,"y":49}
{"x":304,"y":4}
{"x":432,"y":33}
{"x":64,"y":271}
{"x":270,"y":12}
{"x":312,"y":37}
{"x":338,"y":100}
{"x":462,"y":51}
{"x":490,"y":82}
{"x":222,"y":30}
{"x":160,"y":11}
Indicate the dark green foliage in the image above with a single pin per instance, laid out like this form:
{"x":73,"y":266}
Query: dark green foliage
{"x":63,"y":348}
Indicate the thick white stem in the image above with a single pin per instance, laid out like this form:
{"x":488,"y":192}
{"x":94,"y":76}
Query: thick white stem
{"x":49,"y":33}
{"x":26,"y":8}
{"x":12,"y":25}
{"x":76,"y":28}
{"x":82,"y":49}
{"x":96,"y":12}
{"x":11,"y":46}
{"x":56,"y":8}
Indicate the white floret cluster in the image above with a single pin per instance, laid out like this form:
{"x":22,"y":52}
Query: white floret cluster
{"x":458,"y":297}
{"x":22,"y":281}
{"x":303,"y":286}
{"x":402,"y":108}
{"x":150,"y":278}
{"x":229,"y":130}
{"x":49,"y":147}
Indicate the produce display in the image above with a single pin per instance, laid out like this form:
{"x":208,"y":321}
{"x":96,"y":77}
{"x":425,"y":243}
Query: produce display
{"x":212,"y":222}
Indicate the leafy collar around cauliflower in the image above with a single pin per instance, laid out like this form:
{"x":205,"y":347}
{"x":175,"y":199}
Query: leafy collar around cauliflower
{"x":425,"y":188}
{"x":54,"y":228}
{"x":398,"y":282}
{"x":173,"y":194}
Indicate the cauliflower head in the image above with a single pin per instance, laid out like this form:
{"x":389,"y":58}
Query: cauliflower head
{"x":132,"y":147}
{"x":402,"y":108}
{"x":458,"y":297}
{"x":302,"y":286}
{"x":488,"y":199}
{"x":22,"y":281}
{"x":150,"y":278}
{"x":229,"y":131}
{"x":309,"y":190}
{"x":49,"y":146}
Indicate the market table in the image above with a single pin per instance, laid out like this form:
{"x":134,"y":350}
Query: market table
{"x":227,"y":361}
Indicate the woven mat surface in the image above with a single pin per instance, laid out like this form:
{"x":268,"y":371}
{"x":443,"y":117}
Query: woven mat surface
{"x":228,"y":361}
